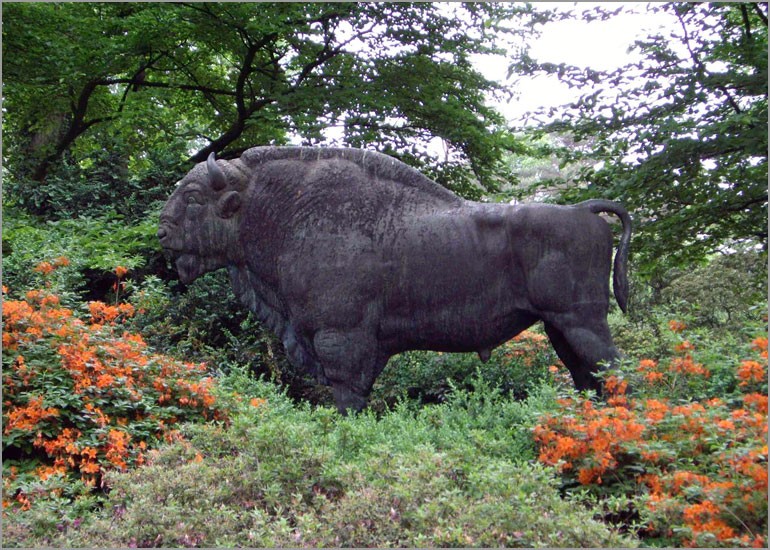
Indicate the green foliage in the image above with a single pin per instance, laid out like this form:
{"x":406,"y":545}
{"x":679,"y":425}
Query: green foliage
{"x":93,"y":248}
{"x":683,"y":459}
{"x":185,"y":79}
{"x":722,"y":299}
{"x":681,"y":136}
{"x":101,"y":182}
{"x":207,"y":323}
{"x":428,"y":377}
{"x":82,"y":395}
{"x":321,"y":480}
{"x":727,"y":292}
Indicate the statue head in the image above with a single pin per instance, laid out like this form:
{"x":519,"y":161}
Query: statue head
{"x":199,"y":223}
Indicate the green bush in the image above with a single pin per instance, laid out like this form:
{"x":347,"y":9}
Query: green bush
{"x":683,"y":459}
{"x":206,"y":322}
{"x":724,"y":298}
{"x":283,"y":475}
{"x":81,"y":395}
{"x":102,"y":180}
{"x":515,"y":368}
{"x":92,"y":248}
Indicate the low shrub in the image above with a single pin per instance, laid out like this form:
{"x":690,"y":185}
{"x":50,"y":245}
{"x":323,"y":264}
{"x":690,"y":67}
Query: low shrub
{"x":92,"y":247}
{"x":687,"y":464}
{"x":516,"y":367}
{"x":279,"y":474}
{"x":82,"y":396}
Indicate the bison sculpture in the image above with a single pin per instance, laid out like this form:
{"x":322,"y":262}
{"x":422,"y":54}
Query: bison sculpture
{"x":351,"y":257}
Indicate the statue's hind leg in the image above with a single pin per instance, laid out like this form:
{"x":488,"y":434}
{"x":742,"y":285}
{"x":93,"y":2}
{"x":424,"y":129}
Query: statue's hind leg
{"x":351,"y":362}
{"x":584,"y":344}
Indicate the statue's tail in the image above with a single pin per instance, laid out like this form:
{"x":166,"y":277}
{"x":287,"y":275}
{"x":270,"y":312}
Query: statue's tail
{"x":620,"y":267}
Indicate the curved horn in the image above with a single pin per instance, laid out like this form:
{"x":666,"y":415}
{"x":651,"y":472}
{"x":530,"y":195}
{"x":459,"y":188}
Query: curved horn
{"x":217,"y":178}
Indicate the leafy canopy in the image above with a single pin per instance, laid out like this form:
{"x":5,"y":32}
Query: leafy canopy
{"x":191,"y":78}
{"x":680,"y":136}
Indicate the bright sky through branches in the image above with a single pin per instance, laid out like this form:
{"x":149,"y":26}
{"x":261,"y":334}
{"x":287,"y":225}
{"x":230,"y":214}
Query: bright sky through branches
{"x":601,"y":45}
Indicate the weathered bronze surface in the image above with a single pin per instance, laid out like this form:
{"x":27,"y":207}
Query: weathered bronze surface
{"x":351,"y":256}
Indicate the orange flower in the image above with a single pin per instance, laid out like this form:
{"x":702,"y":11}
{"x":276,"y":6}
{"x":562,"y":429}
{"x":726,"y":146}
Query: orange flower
{"x":645,"y":364}
{"x":651,"y":456}
{"x":751,"y":371}
{"x":676,"y":326}
{"x":615,"y":386}
{"x":725,"y":425}
{"x":653,"y":377}
{"x":120,"y":271}
{"x":589,"y":475}
{"x":684,"y":346}
{"x":89,"y":467}
{"x":756,"y":400}
{"x":686,"y":365}
{"x":703,"y":518}
{"x":44,"y":267}
{"x":760,"y":344}
{"x":257,"y":402}
{"x":656,"y":410}
{"x":127,"y":310}
{"x":27,"y":418}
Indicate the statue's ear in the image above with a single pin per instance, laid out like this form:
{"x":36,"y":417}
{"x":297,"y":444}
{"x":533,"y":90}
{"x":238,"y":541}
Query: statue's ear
{"x":229,"y":204}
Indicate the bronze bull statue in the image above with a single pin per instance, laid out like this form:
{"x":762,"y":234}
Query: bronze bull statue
{"x":351,"y":257}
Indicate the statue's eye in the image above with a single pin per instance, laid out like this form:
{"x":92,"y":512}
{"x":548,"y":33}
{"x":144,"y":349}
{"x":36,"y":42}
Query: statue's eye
{"x":194,"y":198}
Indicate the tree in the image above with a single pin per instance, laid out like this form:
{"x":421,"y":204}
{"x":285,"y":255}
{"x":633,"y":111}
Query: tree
{"x":681,"y":136}
{"x":221,"y":77}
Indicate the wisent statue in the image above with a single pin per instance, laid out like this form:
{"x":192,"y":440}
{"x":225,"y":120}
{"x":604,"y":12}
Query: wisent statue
{"x":351,"y":257}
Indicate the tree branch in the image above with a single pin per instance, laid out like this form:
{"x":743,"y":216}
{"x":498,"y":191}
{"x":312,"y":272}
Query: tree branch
{"x":702,"y":68}
{"x":746,"y":21}
{"x":155,"y":84}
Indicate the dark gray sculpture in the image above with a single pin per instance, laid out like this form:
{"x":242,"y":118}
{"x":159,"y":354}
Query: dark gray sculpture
{"x":351,"y":257}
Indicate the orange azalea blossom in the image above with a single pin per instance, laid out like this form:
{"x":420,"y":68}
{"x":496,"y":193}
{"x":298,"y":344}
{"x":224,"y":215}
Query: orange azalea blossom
{"x":686,"y":365}
{"x":100,"y":369}
{"x":257,"y":402}
{"x":725,"y":425}
{"x":676,"y":326}
{"x":656,"y":410}
{"x":760,"y":345}
{"x":751,"y":371}
{"x":684,"y":478}
{"x":525,"y":346}
{"x":653,"y":377}
{"x":120,"y":271}
{"x":615,"y":386}
{"x":703,"y":518}
{"x":44,"y":267}
{"x":117,"y":448}
{"x":756,"y":401}
{"x":44,"y":472}
{"x":684,"y":346}
{"x":27,"y":418}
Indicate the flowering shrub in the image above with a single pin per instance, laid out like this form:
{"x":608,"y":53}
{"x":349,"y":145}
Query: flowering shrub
{"x":82,"y":395}
{"x":695,"y":468}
